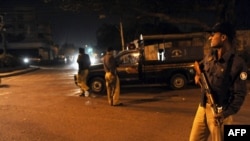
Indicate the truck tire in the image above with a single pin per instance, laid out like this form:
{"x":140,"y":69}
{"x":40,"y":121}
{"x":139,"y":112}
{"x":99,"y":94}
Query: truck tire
{"x":178,"y":81}
{"x":97,"y":85}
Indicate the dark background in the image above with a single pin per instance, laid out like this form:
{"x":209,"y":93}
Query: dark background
{"x":83,"y":26}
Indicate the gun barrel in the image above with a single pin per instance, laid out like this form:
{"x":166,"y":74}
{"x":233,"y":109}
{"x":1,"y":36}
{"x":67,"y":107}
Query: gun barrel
{"x":204,"y":82}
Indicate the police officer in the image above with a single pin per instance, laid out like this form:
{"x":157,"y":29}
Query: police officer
{"x":83,"y":61}
{"x":227,"y":74}
{"x":111,"y":77}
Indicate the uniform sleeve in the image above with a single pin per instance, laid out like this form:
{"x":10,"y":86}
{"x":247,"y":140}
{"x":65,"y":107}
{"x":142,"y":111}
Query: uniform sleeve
{"x":78,"y":58}
{"x":239,"y":90}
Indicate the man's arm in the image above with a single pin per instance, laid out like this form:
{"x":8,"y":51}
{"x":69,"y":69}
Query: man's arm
{"x":239,"y":90}
{"x":203,"y":82}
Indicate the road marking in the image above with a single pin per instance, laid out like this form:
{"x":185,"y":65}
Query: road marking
{"x":4,"y":93}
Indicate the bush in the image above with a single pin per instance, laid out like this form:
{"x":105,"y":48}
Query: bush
{"x":9,"y":61}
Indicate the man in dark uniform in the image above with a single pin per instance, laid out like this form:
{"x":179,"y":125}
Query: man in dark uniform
{"x":83,"y":61}
{"x":111,"y":77}
{"x":227,"y":74}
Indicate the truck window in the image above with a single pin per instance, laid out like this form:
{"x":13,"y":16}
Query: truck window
{"x":131,"y":58}
{"x":198,"y":42}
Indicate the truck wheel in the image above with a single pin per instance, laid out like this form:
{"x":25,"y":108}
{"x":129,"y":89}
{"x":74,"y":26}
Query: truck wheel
{"x":97,"y":85}
{"x":178,"y":81}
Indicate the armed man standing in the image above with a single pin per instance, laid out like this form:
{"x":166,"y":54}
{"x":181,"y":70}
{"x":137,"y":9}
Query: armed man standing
{"x":226,"y":75}
{"x":83,"y":61}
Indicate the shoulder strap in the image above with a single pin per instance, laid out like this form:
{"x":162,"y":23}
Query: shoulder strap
{"x":229,"y":68}
{"x":230,"y":63}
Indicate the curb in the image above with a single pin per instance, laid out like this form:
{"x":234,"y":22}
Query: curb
{"x":17,"y":72}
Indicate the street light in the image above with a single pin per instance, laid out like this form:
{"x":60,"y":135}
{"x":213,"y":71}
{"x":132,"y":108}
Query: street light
{"x":122,"y":36}
{"x":120,"y":29}
{"x":90,"y":50}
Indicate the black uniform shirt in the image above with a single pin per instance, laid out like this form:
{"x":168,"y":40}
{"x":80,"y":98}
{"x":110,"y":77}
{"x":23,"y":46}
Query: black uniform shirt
{"x":227,"y":78}
{"x":83,"y":61}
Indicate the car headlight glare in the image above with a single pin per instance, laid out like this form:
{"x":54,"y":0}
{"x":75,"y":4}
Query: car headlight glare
{"x":26,"y":60}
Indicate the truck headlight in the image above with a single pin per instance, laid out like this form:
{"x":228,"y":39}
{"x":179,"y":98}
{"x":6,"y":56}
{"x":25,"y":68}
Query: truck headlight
{"x":192,"y":71}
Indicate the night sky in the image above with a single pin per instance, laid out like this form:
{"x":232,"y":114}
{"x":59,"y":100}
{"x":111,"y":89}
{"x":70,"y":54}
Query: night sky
{"x":77,"y":28}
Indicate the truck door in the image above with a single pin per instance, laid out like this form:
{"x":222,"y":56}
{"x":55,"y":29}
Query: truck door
{"x":128,"y":67}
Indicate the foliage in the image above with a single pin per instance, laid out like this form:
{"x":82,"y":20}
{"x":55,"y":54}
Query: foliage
{"x":108,"y":36}
{"x":171,"y":11}
{"x":149,"y":17}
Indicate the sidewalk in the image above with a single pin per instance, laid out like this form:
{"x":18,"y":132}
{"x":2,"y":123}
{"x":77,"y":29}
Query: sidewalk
{"x":15,"y":71}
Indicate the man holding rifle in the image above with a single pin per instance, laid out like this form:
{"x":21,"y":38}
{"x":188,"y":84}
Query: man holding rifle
{"x":222,"y":76}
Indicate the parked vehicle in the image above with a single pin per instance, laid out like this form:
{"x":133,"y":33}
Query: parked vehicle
{"x":158,"y":61}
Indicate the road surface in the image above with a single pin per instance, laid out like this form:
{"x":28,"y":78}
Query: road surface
{"x":44,"y":106}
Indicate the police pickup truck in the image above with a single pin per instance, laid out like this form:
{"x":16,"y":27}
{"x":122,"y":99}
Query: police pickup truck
{"x":153,"y":64}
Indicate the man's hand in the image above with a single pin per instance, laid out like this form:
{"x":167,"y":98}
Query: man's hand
{"x":219,"y":118}
{"x":197,"y":79}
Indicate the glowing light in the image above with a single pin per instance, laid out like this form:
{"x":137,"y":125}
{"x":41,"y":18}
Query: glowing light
{"x":26,"y":60}
{"x":92,"y":60}
{"x":90,"y":50}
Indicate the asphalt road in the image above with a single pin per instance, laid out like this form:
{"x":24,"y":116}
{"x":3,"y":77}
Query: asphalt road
{"x":43,"y":105}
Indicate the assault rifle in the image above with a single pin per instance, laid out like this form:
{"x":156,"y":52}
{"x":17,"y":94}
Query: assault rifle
{"x":203,"y":82}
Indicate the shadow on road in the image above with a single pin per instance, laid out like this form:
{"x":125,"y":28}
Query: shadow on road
{"x":153,"y":90}
{"x":4,"y":86}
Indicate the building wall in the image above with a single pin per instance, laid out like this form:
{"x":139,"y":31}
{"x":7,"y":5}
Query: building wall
{"x":24,"y":32}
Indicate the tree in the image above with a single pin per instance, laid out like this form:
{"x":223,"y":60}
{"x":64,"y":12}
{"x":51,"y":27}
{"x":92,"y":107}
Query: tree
{"x":181,"y":15}
{"x":171,"y":11}
{"x":108,"y":36}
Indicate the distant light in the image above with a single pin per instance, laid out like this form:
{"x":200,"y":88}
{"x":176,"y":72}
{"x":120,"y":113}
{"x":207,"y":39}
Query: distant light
{"x":75,"y":64}
{"x":90,"y":50}
{"x":92,"y":60}
{"x":141,"y":37}
{"x":102,"y":16}
{"x":26,"y":60}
